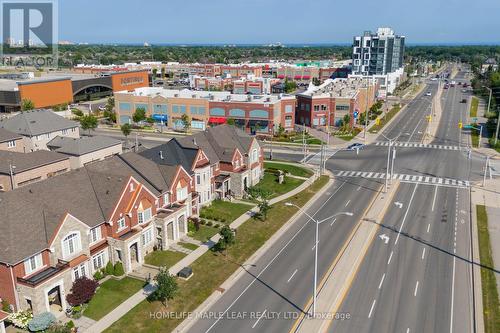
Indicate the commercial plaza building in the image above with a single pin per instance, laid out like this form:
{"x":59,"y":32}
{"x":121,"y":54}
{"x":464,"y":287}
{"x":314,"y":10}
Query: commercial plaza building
{"x":330,"y":102}
{"x":253,"y":113}
{"x":379,"y":55}
{"x":58,"y":88}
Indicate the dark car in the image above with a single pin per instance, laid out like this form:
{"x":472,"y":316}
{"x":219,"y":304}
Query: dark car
{"x":463,"y":100}
{"x":355,"y":146}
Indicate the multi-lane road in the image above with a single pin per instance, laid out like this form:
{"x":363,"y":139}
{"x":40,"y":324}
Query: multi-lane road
{"x":417,"y":281}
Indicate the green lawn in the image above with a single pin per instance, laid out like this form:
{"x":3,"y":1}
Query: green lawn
{"x":270,"y":184}
{"x":223,"y":211}
{"x":204,"y":233}
{"x":111,"y":294}
{"x":388,"y":116}
{"x":473,"y":107}
{"x":491,"y":303}
{"x":293,"y":169}
{"x":189,"y":246}
{"x":210,"y":270}
{"x":163,"y":258}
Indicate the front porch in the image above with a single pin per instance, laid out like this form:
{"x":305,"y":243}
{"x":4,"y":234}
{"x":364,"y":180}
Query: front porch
{"x":171,"y":225}
{"x":223,"y":187}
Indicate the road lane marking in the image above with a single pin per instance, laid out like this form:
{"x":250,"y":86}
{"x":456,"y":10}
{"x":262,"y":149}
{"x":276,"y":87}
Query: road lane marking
{"x":390,"y":257}
{"x":452,"y":292}
{"x":359,"y":188}
{"x":381,"y":281}
{"x":423,"y":253}
{"x":416,"y":290}
{"x":371,"y":309}
{"x":347,"y":203}
{"x":428,"y":227}
{"x":271,"y":262}
{"x":335,"y":219}
{"x":434,"y":200}
{"x":258,"y":319}
{"x":291,"y":277}
{"x":406,"y":214}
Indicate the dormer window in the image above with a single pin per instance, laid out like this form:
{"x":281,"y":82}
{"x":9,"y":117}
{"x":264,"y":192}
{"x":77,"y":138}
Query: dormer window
{"x":181,"y":193}
{"x":165,"y":199}
{"x":33,"y":264}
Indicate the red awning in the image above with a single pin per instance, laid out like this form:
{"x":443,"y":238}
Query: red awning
{"x":281,"y":76}
{"x":217,"y":120}
{"x":306,"y":77}
{"x":297,"y":77}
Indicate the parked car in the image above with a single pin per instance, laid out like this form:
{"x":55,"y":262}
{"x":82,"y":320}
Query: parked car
{"x":428,"y":93}
{"x":355,"y":146}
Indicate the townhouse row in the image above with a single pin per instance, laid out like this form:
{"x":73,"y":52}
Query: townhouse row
{"x":118,"y":209}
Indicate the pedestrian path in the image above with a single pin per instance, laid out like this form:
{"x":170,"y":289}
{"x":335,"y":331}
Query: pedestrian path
{"x":404,"y":178}
{"x":416,"y":145}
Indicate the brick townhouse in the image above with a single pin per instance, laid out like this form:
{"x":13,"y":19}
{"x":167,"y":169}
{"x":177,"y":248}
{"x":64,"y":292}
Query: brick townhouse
{"x":57,"y":230}
{"x":223,"y":161}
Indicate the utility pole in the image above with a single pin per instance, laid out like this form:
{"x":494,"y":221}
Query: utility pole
{"x":11,"y":172}
{"x":304,"y":148}
{"x":387,"y":168}
{"x":498,"y":125}
{"x":392,"y":162}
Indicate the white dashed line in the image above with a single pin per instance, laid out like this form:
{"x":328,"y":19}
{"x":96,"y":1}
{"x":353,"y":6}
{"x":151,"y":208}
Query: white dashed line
{"x":291,"y":277}
{"x":381,"y":281}
{"x":390,"y":257}
{"x":371,"y":309}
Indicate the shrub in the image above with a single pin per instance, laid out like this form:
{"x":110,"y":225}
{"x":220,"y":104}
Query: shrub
{"x":5,"y":306}
{"x":209,"y":223}
{"x":109,"y":268}
{"x":98,"y":275}
{"x":118,"y":270}
{"x":59,"y":328}
{"x":21,"y":318}
{"x":41,"y":322}
{"x":82,"y":291}
{"x":203,"y":221}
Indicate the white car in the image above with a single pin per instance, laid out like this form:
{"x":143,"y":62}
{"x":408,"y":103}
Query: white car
{"x":428,"y":93}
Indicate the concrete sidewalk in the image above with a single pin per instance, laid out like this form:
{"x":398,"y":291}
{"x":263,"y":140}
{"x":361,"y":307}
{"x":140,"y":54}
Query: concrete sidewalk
{"x":141,"y":295}
{"x":334,"y":287}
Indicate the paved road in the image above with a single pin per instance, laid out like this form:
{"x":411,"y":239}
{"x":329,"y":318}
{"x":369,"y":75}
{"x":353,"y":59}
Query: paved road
{"x":420,"y":281}
{"x":281,"y":281}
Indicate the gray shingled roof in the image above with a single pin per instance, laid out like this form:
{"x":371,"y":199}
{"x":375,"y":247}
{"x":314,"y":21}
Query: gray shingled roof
{"x":6,"y":135}
{"x":173,"y":153}
{"x":81,"y":146}
{"x":28,"y":161}
{"x":31,"y":214}
{"x":36,"y":122}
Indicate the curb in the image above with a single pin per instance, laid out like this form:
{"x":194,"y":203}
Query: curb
{"x":233,"y":278}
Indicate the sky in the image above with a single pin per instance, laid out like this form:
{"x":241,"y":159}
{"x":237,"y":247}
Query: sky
{"x":270,"y":21}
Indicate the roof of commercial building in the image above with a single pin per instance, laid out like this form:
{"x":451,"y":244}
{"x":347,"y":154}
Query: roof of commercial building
{"x":36,"y":122}
{"x":81,"y":146}
{"x":27,"y":161}
{"x":214,"y":96}
{"x":31,"y":214}
{"x":6,"y":135}
{"x":12,"y":84}
{"x":337,"y":88}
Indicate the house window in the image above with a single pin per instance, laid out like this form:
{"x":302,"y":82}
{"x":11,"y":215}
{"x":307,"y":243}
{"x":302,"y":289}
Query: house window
{"x":95,"y":234}
{"x":255,"y":157}
{"x":316,"y":108}
{"x":121,"y":224}
{"x":79,"y":271}
{"x":99,"y":260}
{"x":147,"y":237}
{"x":11,"y":144}
{"x":64,"y":131}
{"x":182,"y":193}
{"x":165,"y":199}
{"x":33,"y":264}
{"x":198,"y":180}
{"x":144,"y":216}
{"x":71,"y":244}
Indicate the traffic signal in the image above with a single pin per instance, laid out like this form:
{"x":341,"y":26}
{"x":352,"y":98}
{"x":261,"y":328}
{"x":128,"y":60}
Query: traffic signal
{"x":460,"y":125}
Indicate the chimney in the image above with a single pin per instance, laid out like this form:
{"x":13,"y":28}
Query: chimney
{"x":161,"y":155}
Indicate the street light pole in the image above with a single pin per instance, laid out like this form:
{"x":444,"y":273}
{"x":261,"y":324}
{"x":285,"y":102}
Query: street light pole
{"x":486,"y":169}
{"x":489,"y":99}
{"x":316,"y":245}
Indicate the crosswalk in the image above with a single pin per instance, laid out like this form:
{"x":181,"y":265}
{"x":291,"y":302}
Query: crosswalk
{"x":417,"y":145}
{"x":404,"y":178}
{"x":316,"y":158}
